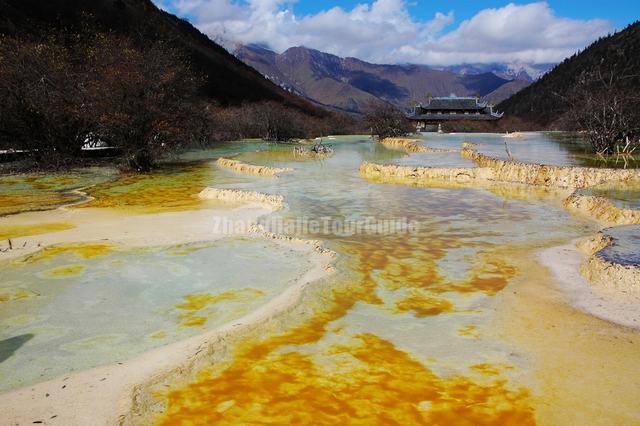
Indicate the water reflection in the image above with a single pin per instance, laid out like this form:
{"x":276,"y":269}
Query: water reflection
{"x":553,"y":148}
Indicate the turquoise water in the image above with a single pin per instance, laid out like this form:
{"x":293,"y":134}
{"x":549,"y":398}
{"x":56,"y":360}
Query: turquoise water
{"x":79,"y":313}
{"x":434,"y":159}
{"x":453,"y":230}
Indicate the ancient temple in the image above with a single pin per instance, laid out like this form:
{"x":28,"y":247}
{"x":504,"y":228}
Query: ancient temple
{"x":452,"y":108}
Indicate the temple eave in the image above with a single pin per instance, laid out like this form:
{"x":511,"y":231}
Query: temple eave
{"x":455,"y":117}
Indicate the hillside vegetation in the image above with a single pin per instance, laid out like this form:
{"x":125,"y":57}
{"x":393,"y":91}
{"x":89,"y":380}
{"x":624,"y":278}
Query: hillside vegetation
{"x":125,"y":74}
{"x":548,"y":102}
{"x":228,"y":80}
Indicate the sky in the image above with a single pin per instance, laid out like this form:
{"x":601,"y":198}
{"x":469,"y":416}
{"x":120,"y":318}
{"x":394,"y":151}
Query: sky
{"x":436,"y":33}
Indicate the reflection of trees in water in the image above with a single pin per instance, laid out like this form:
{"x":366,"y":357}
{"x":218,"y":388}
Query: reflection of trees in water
{"x":575,"y":145}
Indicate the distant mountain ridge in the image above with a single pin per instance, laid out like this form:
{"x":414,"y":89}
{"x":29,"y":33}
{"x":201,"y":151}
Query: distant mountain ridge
{"x":348,"y":84}
{"x":508,"y":71}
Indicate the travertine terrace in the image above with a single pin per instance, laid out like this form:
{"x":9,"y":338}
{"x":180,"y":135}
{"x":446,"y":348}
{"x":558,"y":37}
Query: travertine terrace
{"x":602,"y":272}
{"x":424,"y":175}
{"x":546,"y":175}
{"x":602,"y":210}
{"x":251,"y":169}
{"x":492,"y":169}
{"x":410,"y":145}
{"x":219,"y":323}
{"x":275,"y":202}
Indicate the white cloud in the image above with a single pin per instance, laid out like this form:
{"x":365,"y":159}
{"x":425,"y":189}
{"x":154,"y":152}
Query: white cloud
{"x":384,"y":31}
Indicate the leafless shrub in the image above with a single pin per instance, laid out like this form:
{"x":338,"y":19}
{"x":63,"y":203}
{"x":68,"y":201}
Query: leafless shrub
{"x":385,"y":120}
{"x":62,"y":90}
{"x":604,"y":107}
{"x":275,"y":122}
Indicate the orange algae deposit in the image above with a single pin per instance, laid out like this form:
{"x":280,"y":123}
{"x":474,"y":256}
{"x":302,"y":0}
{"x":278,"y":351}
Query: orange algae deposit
{"x":287,"y":379}
{"x":11,"y":203}
{"x":383,"y":385}
{"x":400,"y":265}
{"x":370,"y":381}
{"x":85,"y":251}
{"x":169,"y":189}
{"x":66,"y":271}
{"x":11,"y":294}
{"x":194,"y":303}
{"x":469,"y":331}
{"x":489,"y":277}
{"x":422,"y":305}
{"x":488,"y":369}
{"x":15,"y":231}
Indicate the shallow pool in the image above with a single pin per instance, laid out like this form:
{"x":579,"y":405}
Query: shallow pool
{"x":70,"y":308}
{"x":625,"y":249}
{"x":405,"y":329}
{"x":554,"y":148}
{"x":410,"y":330}
{"x":622,"y":195}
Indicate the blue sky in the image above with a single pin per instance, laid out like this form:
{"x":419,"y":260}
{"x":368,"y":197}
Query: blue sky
{"x":409,"y":31}
{"x":620,"y":12}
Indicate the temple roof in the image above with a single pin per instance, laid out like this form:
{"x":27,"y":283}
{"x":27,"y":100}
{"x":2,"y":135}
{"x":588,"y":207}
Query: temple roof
{"x":455,"y":117}
{"x":453,"y":103}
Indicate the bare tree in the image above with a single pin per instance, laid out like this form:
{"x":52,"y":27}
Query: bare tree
{"x":44,"y":99}
{"x":603,"y":106}
{"x":60,"y":91}
{"x":146,"y":101}
{"x":385,"y":120}
{"x":275,"y":122}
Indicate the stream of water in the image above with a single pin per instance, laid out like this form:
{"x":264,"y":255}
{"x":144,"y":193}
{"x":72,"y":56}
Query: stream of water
{"x":404,"y":333}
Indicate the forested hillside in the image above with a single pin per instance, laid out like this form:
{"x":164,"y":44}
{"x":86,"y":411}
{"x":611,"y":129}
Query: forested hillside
{"x":548,"y":101}
{"x":228,"y":80}
{"x":125,"y":76}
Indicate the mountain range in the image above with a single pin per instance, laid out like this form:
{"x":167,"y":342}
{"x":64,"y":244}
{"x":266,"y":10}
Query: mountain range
{"x":350,"y":84}
{"x":508,"y":71}
{"x":307,"y":79}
